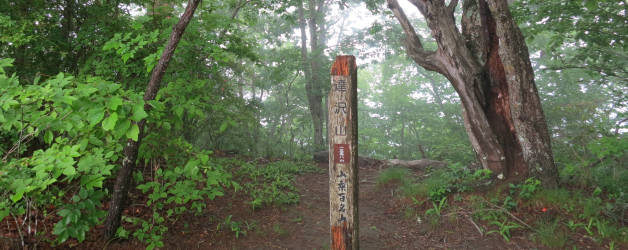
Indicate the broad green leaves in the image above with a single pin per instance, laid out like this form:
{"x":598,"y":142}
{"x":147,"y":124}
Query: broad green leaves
{"x":84,"y":123}
{"x":126,"y":45}
{"x":5,"y":62}
{"x":110,"y":122}
{"x":114,"y":102}
{"x":177,"y":189}
{"x":138,"y":112}
{"x":133,"y":132}
{"x":587,"y":35}
{"x":95,"y":115}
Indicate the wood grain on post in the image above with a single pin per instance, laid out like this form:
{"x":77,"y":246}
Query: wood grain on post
{"x":343,"y":153}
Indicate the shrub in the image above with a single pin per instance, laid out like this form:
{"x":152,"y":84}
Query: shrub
{"x":66,"y":135}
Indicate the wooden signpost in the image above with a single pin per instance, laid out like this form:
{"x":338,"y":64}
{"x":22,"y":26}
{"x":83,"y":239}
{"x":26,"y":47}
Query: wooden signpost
{"x":343,"y":153}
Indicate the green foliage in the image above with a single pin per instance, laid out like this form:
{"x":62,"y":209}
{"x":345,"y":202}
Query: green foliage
{"x":234,"y":226}
{"x":485,"y":211}
{"x":610,"y":174}
{"x":581,"y":211}
{"x":178,"y":189}
{"x":128,"y":44}
{"x":132,"y":52}
{"x":79,"y":135}
{"x":79,"y":216}
{"x":550,"y":234}
{"x":236,"y":84}
{"x":558,"y":197}
{"x":402,"y":175}
{"x":592,"y":42}
{"x":408,"y":113}
{"x":439,"y":183}
{"x":273,"y":183}
{"x":503,"y":228}
{"x":605,"y":175}
{"x":526,"y":189}
{"x":279,"y":230}
{"x":436,"y":210}
{"x":454,"y":178}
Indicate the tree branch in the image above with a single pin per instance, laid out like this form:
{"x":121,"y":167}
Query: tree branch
{"x":414,"y":47}
{"x":619,"y":125}
{"x":602,"y":72}
{"x":237,"y":9}
{"x":121,"y":186}
{"x":421,"y":6}
{"x":405,"y":24}
{"x":452,"y":6}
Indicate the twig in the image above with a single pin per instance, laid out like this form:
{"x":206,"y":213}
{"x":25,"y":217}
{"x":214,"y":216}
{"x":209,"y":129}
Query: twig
{"x":511,"y":215}
{"x":107,"y":243}
{"x":19,"y":142}
{"x":29,"y":136}
{"x":476,"y":226}
{"x":459,"y":211}
{"x":19,"y":231}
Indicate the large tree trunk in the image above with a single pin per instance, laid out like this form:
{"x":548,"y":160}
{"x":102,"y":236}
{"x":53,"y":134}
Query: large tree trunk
{"x":311,"y":70}
{"x":315,"y":95}
{"x":489,"y":67}
{"x":121,"y":187}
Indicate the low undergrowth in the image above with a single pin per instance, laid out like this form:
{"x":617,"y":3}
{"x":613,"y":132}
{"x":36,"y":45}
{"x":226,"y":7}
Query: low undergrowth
{"x":172,"y":193}
{"x":436,"y":183}
{"x":273,"y":183}
{"x":587,"y":210}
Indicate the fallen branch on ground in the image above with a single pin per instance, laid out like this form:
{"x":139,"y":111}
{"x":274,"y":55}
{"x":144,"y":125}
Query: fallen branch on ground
{"x":323,"y":157}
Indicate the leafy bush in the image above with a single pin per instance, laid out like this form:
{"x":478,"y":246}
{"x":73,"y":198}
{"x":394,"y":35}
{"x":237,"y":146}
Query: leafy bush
{"x":177,"y":189}
{"x":66,"y":136}
{"x":607,"y":171}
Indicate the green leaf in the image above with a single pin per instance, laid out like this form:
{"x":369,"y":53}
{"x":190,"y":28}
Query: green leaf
{"x":114,"y":102}
{"x":133,"y":133}
{"x":5,"y":62}
{"x":95,"y":115}
{"x":223,"y":126}
{"x":121,"y":128}
{"x":127,"y":56}
{"x":69,"y":171}
{"x":83,"y":144}
{"x":110,"y":122}
{"x":138,"y":112}
{"x":48,"y":137}
{"x":17,"y":196}
{"x":4,"y":213}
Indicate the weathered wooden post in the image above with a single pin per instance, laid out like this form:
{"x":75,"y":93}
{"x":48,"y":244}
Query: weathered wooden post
{"x":343,"y":153}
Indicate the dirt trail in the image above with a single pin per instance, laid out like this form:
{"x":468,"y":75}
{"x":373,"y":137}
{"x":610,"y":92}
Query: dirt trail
{"x":306,"y":226}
